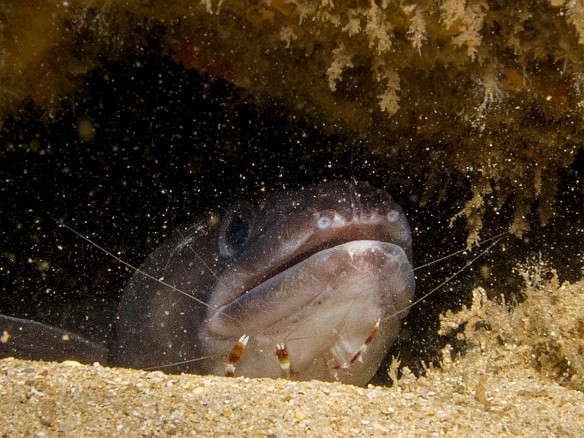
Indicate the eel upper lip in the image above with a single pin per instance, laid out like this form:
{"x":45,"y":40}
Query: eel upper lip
{"x":249,"y":272}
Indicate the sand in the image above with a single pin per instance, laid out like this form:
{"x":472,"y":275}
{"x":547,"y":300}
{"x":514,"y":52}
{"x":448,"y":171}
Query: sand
{"x":507,"y":383}
{"x":69,"y":399}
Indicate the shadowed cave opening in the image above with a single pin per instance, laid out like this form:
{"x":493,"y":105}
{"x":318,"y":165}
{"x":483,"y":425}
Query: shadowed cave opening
{"x":145,"y":146}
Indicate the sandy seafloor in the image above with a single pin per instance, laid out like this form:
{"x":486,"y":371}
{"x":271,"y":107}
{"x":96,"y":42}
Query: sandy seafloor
{"x":507,"y":383}
{"x":49,"y":399}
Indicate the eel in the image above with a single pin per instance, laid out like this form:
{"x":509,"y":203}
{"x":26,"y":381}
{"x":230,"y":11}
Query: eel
{"x":308,"y":284}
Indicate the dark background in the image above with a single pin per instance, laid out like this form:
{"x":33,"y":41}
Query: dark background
{"x":145,"y":146}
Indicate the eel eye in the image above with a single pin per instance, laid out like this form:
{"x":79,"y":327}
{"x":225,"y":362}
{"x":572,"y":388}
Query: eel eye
{"x":235,"y":230}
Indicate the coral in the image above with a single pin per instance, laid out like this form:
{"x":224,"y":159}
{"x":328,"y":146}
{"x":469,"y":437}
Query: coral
{"x":465,"y":20}
{"x":417,"y":29}
{"x":493,"y":89}
{"x":574,"y":11}
{"x":546,"y":330}
{"x":340,"y":62}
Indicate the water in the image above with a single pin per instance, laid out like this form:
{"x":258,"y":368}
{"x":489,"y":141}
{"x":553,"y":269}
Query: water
{"x":127,"y":168}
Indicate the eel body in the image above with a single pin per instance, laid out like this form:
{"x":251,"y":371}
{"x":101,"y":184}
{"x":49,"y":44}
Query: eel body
{"x":309,"y":284}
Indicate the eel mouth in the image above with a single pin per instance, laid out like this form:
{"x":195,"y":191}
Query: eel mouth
{"x":323,"y":308}
{"x":295,"y":241}
{"x":354,"y":270}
